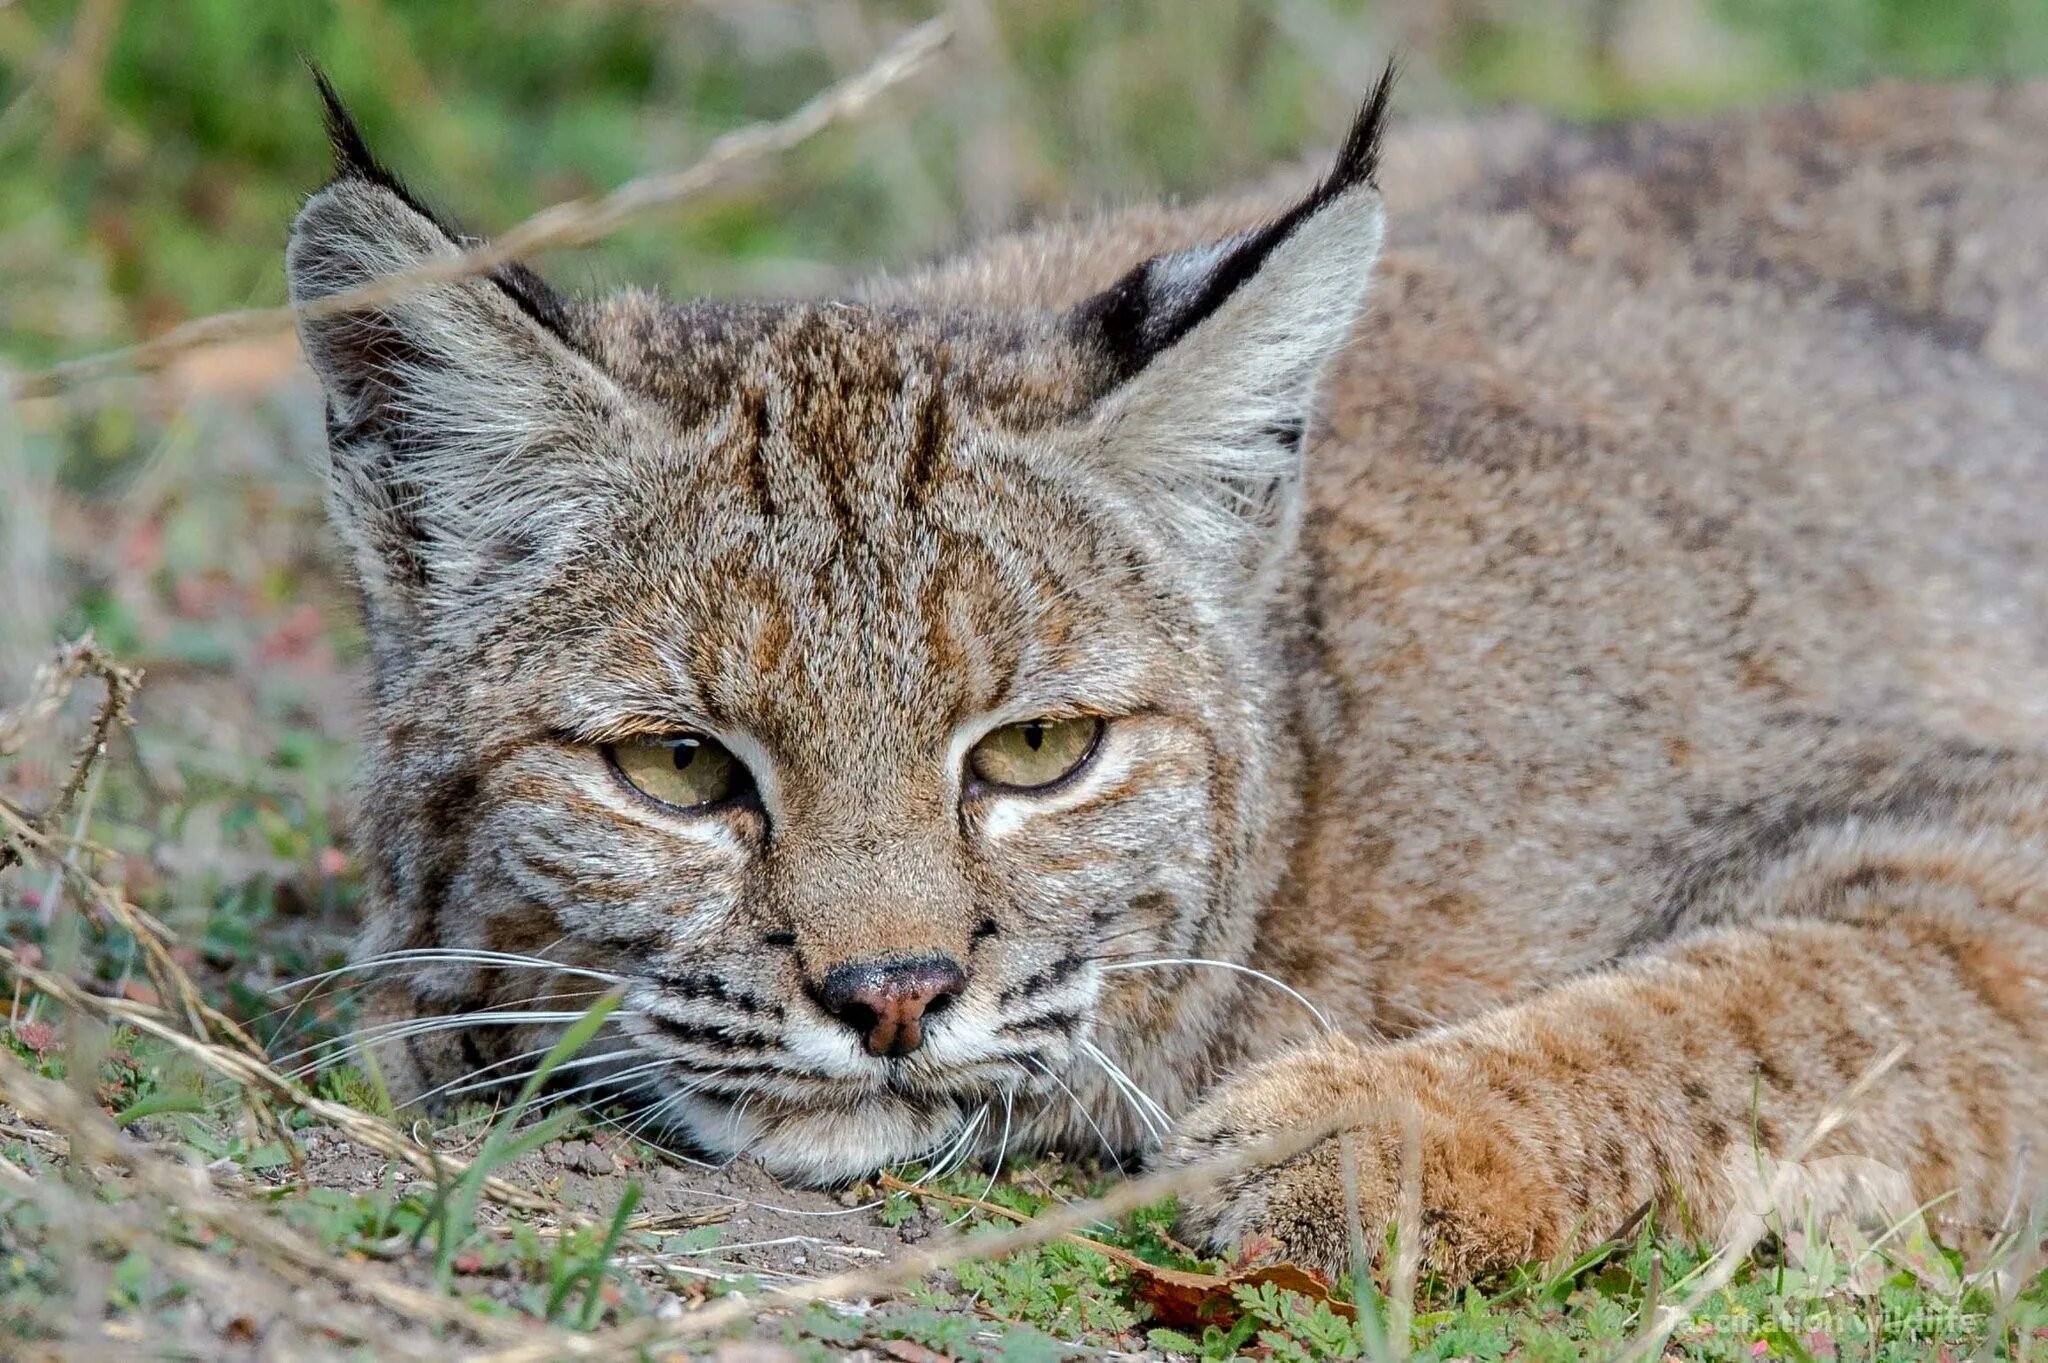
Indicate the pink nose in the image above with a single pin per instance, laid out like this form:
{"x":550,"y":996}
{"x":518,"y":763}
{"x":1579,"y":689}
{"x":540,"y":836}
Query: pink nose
{"x":887,"y":1002}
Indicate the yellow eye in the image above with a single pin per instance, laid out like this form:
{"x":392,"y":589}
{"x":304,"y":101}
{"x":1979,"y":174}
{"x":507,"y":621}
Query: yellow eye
{"x":1035,"y":753}
{"x":689,"y":772}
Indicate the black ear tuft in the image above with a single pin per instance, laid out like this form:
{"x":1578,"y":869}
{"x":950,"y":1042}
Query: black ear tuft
{"x":353,"y":159}
{"x":352,"y":156}
{"x":355,"y":162}
{"x":1148,"y":310}
{"x":1358,"y":160}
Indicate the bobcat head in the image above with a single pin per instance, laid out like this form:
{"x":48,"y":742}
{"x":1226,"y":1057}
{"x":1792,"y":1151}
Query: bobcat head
{"x":855,"y":687}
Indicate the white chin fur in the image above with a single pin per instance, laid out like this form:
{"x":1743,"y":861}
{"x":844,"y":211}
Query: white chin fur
{"x":820,"y":1147}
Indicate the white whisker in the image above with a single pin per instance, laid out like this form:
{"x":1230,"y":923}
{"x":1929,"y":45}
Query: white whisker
{"x":413,"y":1027}
{"x":452,"y":1091}
{"x":995,"y":1167}
{"x":1080,"y":1107}
{"x":651,"y":1115}
{"x":440,"y":1089}
{"x":455,"y":1088}
{"x":448,"y":956}
{"x":959,"y":1149}
{"x":1153,"y":1117}
{"x":503,"y":1008}
{"x":632,"y":1128}
{"x":733,"y":1120}
{"x":1273,"y":980}
{"x":632,"y":1072}
{"x":421,"y":958}
{"x":969,"y":1139}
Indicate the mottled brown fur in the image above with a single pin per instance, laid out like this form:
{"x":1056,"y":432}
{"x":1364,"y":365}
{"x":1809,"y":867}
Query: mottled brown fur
{"x":1627,"y":723}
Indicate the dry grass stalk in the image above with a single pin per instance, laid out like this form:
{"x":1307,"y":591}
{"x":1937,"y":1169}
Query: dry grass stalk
{"x":94,"y":1138}
{"x":25,"y":833}
{"x":577,"y":223}
{"x":1407,"y":1262}
{"x":255,"y":1077}
{"x":170,"y":979}
{"x":650,"y":1333}
{"x":80,"y":73}
{"x":52,"y":686}
{"x":53,"y":682}
{"x":231,"y":1284}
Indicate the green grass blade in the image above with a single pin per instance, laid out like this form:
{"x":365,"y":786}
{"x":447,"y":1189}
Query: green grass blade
{"x":502,"y":1146}
{"x":156,"y":1104}
{"x":593,"y":1297}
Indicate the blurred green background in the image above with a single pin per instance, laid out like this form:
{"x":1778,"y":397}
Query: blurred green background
{"x":152,"y":153}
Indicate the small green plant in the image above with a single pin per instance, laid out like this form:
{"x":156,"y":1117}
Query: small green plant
{"x":1061,"y":1287}
{"x":1297,"y":1330}
{"x":1216,"y":1343}
{"x":898,"y":1210}
{"x":453,"y":1214}
{"x":358,"y":1089}
{"x":589,"y":1270}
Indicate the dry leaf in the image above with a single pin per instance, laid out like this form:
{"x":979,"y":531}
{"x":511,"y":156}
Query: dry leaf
{"x":1178,"y":1297}
{"x":1183,"y":1299}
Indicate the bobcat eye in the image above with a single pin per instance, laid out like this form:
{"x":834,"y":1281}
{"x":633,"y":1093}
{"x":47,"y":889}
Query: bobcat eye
{"x":1034,"y":754}
{"x":689,"y":771}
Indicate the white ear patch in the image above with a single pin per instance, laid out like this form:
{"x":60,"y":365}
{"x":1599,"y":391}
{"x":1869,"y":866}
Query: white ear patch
{"x":1215,"y":420}
{"x":458,"y":417}
{"x":1212,"y":357}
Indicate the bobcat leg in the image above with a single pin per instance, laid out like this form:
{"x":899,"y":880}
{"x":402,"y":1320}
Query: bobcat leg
{"x":1543,"y":1127}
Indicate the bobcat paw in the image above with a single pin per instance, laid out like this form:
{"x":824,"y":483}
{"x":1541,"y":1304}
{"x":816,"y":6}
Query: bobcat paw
{"x":1484,"y":1206}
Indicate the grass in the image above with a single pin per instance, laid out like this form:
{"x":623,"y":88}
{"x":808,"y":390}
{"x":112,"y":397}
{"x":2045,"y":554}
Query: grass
{"x":150,"y":156}
{"x":1906,"y":1303}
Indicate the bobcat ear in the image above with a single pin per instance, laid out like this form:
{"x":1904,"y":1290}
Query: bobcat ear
{"x":1211,"y":355}
{"x":453,"y":407}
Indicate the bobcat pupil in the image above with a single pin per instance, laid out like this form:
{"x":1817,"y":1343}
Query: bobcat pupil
{"x":686,"y":753}
{"x":1034,"y":736}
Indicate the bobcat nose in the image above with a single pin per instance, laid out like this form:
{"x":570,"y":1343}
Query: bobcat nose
{"x":887,"y":1001}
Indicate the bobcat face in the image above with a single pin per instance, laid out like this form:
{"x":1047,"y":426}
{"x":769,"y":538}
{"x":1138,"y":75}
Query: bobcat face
{"x":856,"y":688}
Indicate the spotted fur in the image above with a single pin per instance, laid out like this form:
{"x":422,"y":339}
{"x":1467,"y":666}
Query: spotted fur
{"x":1608,"y":676}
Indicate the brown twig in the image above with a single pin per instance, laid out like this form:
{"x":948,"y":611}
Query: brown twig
{"x":577,"y":223}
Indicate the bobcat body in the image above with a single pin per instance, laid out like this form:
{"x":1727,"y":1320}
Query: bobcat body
{"x":1565,"y":695}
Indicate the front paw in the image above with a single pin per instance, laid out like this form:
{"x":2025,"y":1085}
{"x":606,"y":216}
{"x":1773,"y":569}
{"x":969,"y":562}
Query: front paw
{"x":1481,"y":1203}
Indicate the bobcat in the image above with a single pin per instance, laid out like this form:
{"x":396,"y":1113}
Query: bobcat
{"x":1565,"y":695}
